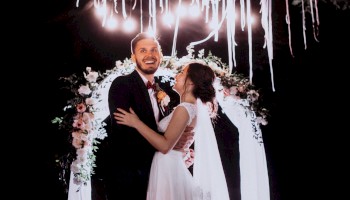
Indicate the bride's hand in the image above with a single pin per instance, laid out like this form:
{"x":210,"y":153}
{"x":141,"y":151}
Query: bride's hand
{"x":126,"y":118}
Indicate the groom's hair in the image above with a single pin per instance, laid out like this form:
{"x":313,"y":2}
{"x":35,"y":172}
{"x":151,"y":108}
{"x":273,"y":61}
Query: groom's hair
{"x":141,"y":36}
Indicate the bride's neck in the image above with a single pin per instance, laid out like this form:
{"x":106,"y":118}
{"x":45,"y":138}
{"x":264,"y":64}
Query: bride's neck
{"x":188,"y":97}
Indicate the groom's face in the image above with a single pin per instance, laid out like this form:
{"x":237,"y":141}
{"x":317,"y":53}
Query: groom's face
{"x":147,"y":56}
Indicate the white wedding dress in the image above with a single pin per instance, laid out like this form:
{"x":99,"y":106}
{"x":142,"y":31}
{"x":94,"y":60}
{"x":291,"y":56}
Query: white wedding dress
{"x":169,"y":177}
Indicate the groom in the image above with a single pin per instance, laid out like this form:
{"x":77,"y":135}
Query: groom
{"x":129,"y":154}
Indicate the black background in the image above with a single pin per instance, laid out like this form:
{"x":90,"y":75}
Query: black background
{"x":303,"y":126}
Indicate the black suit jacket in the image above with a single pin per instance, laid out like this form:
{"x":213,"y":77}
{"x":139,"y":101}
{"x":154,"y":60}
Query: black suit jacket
{"x":129,"y":156}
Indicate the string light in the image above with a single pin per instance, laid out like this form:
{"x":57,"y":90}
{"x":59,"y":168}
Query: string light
{"x":214,"y":12}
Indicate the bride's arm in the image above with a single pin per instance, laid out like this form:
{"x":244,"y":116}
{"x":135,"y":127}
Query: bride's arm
{"x":162,"y":143}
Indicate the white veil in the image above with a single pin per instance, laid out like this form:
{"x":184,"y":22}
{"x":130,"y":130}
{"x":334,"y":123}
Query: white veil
{"x":208,"y":172}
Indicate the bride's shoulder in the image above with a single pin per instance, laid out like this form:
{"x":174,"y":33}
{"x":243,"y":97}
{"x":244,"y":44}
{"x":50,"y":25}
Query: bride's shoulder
{"x":187,"y":104}
{"x":190,"y":107}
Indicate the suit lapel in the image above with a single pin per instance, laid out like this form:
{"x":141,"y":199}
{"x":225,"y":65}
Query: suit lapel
{"x":140,"y":88}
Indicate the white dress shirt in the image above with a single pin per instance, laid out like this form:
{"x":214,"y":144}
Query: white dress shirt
{"x":153,"y":98}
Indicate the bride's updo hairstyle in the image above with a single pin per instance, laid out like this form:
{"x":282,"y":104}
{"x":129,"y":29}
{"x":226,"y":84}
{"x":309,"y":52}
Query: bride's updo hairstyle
{"x":203,"y":77}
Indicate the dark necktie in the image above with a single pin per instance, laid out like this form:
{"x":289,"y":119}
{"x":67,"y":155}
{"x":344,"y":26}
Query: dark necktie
{"x":150,"y":85}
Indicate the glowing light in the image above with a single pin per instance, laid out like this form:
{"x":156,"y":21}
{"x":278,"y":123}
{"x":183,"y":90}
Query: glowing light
{"x":168,"y":19}
{"x":181,"y":11}
{"x":150,"y":31}
{"x":194,"y":11}
{"x":251,"y":20}
{"x":129,"y":25}
{"x":100,"y":11}
{"x":111,"y":23}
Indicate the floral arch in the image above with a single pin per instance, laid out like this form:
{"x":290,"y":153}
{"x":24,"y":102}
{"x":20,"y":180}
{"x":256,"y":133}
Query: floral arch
{"x":85,"y":112}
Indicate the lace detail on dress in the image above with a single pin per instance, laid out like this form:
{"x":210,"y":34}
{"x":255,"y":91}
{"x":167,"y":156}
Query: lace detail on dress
{"x":191,"y":109}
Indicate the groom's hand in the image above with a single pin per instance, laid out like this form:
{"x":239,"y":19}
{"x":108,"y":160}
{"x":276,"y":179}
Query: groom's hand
{"x":186,"y":139}
{"x":183,"y":145}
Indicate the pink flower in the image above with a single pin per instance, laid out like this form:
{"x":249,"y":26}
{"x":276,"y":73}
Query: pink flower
{"x":77,"y":143}
{"x":79,"y":123}
{"x":84,"y":90}
{"x":82,"y":152}
{"x":89,"y":101}
{"x":87,"y":143}
{"x":88,"y":116}
{"x":80,"y":107}
{"x":77,"y":134}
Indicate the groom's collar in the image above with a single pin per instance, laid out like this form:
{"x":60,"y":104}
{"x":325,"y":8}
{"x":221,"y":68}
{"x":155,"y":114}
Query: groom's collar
{"x":144,"y":79}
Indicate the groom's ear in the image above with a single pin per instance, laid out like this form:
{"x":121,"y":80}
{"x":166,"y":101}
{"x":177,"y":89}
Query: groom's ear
{"x":133,"y":58}
{"x":161,"y":57}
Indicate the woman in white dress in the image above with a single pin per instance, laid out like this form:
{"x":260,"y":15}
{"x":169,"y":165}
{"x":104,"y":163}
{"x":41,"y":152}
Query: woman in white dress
{"x":169,"y":178}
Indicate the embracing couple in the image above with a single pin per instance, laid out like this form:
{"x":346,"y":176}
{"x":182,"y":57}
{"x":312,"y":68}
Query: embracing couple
{"x":153,"y":126}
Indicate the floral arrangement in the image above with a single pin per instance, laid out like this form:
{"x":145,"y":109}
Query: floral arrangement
{"x":162,"y":98}
{"x":89,"y":106}
{"x":82,"y":124}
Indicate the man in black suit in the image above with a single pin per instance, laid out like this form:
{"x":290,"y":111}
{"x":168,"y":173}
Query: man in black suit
{"x":129,"y":154}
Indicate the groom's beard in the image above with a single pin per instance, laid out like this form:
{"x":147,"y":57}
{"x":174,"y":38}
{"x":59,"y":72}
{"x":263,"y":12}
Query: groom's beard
{"x":146,"y":71}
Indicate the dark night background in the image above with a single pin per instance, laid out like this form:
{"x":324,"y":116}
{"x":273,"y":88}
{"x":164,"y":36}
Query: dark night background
{"x":301,"y":108}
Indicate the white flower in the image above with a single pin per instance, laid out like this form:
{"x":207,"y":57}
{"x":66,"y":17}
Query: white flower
{"x":91,"y":76}
{"x":213,"y":65}
{"x":165,"y":101}
{"x":118,"y":64}
{"x":261,"y":120}
{"x":82,"y":153}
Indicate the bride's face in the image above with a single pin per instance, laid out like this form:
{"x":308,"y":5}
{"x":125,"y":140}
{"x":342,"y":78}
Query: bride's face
{"x":180,"y":80}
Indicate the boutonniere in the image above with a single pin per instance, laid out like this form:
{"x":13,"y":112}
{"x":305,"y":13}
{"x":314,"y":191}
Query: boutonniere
{"x":162,"y":98}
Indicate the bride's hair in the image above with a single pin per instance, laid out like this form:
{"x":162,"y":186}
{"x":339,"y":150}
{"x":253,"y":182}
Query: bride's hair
{"x":203,"y":77}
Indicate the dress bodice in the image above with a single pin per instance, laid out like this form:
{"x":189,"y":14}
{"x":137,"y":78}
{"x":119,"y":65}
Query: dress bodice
{"x":192,"y":112}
